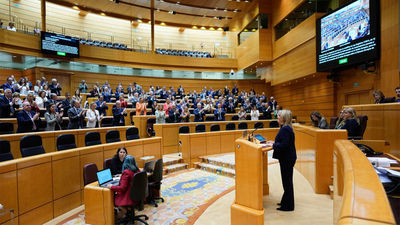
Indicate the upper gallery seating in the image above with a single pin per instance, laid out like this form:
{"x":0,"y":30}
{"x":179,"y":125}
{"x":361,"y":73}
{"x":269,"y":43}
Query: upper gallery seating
{"x":183,"y":53}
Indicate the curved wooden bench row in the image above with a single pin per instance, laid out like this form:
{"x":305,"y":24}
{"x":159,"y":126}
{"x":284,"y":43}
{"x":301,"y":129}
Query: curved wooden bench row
{"x":49,"y":138}
{"x":40,"y":188}
{"x":359,"y":197}
{"x":195,"y":145}
{"x":170,"y":131}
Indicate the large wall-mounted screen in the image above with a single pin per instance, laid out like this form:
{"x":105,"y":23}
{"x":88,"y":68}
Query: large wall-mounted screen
{"x":57,"y":44}
{"x":348,"y":35}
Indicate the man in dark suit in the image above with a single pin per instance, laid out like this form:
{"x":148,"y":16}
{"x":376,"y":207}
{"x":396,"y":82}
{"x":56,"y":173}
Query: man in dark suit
{"x":272,"y":103}
{"x":75,"y":115}
{"x":219,"y":113}
{"x":173,"y":115}
{"x":230,"y":106}
{"x":6,"y":104}
{"x":27,"y":119}
{"x":118,"y":113}
{"x":66,"y":103}
{"x":199,"y":114}
{"x":235,"y":90}
{"x":9,"y":84}
{"x":55,"y":87}
{"x":101,"y":106}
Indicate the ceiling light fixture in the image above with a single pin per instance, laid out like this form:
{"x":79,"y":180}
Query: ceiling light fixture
{"x":75,"y":7}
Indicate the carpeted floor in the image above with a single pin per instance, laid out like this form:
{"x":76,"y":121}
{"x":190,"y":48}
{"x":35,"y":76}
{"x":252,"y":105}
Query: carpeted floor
{"x":187,"y":195}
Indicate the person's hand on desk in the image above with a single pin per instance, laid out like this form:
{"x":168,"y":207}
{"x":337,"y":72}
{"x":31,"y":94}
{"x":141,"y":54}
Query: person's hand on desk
{"x":270,"y":143}
{"x":109,"y":186}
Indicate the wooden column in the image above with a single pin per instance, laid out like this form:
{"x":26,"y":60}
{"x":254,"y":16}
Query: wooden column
{"x":152,"y":25}
{"x":43,"y":10}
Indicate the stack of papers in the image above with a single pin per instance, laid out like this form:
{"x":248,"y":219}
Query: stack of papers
{"x":381,"y":161}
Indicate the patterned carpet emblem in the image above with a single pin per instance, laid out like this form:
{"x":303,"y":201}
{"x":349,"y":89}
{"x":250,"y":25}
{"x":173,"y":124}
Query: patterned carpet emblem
{"x":188,"y":186}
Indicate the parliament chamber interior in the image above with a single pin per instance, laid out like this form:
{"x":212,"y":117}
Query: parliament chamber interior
{"x":241,"y":112}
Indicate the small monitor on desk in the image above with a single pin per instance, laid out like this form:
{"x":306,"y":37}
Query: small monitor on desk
{"x":260,"y":138}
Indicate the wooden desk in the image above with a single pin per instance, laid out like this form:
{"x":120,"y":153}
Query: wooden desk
{"x":40,"y":188}
{"x":99,"y":204}
{"x":383,"y":123}
{"x":194,"y":145}
{"x":359,"y":197}
{"x":170,"y":131}
{"x":251,"y":184}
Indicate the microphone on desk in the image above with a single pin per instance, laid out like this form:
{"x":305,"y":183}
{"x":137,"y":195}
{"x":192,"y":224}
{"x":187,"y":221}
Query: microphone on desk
{"x":250,"y":138}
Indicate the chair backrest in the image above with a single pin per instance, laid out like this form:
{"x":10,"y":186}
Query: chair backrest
{"x":184,"y":130}
{"x":200,"y":128}
{"x":132,"y":133}
{"x":230,"y":126}
{"x":363,"y":124}
{"x":92,"y":138}
{"x":107,"y":163}
{"x":65,"y":141}
{"x":332,"y":123}
{"x":209,"y":118}
{"x":158,"y":171}
{"x":273,"y":124}
{"x":5,"y":153}
{"x":112,"y":136}
{"x":235,"y":117}
{"x":258,"y":125}
{"x":31,"y":145}
{"x":139,"y":189}
{"x":89,"y":173}
{"x":242,"y":126}
{"x":6,"y":128}
{"x":150,"y":129}
{"x":149,"y":166}
{"x":106,"y":122}
{"x":215,"y":127}
{"x":131,"y":114}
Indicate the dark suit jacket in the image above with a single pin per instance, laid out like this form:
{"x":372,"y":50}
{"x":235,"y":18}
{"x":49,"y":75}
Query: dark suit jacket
{"x":5,"y":108}
{"x":219,"y":116}
{"x":173,"y":116}
{"x":119,"y":119}
{"x":75,"y":121}
{"x":235,"y":91}
{"x":66,"y":105}
{"x":198,"y":117}
{"x":54,"y":89}
{"x":101,"y":109}
{"x":352,"y":127}
{"x":284,"y":148}
{"x":25,"y":123}
{"x":7,"y":86}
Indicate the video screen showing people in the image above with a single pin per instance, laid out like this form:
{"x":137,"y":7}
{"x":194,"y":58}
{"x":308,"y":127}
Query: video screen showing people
{"x":347,"y":24}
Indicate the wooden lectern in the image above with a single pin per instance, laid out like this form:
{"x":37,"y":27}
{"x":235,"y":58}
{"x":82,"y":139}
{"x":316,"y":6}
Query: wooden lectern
{"x":251,"y":163}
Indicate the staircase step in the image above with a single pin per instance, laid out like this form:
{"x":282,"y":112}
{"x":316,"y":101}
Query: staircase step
{"x":171,"y":159}
{"x":221,"y":160}
{"x":175,"y":167}
{"x":217,"y":169}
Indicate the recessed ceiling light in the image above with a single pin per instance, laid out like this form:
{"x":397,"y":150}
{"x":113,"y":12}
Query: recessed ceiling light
{"x":225,"y":10}
{"x":235,"y":10}
{"x":194,"y":27}
{"x":75,"y":7}
{"x":178,"y":3}
{"x":162,"y":24}
{"x":103,"y":14}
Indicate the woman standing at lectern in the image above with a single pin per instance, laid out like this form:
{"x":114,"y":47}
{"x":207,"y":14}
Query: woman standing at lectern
{"x":285,"y":152}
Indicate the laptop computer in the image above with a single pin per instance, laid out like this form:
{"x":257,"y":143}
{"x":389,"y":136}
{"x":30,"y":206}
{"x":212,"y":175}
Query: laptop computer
{"x":104,"y":177}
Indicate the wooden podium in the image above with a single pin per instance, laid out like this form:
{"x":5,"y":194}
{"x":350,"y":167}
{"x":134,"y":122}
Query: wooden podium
{"x":251,"y":163}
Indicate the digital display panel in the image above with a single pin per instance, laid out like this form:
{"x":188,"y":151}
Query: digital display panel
{"x":57,"y":44}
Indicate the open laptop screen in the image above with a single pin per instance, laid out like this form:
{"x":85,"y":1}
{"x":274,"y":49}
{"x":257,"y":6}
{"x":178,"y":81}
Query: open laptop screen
{"x":104,"y":176}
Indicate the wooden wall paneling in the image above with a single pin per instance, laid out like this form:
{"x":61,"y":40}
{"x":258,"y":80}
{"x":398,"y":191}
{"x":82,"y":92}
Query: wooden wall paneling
{"x":283,"y":8}
{"x":298,"y":63}
{"x":245,"y":17}
{"x":152,"y":147}
{"x":392,"y":124}
{"x":8,"y":190}
{"x":198,"y":147}
{"x":38,"y":215}
{"x":295,"y":37}
{"x":185,"y":149}
{"x":67,"y":203}
{"x":135,"y":149}
{"x":213,"y":140}
{"x":5,"y":73}
{"x":34,"y":193}
{"x":227,"y":142}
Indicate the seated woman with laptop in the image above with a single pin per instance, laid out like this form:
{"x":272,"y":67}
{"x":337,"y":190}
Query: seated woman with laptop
{"x":122,"y":196}
{"x":118,"y":160}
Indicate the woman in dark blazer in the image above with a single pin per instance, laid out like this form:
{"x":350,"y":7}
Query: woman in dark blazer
{"x":122,"y":197}
{"x":118,"y":160}
{"x":350,"y":122}
{"x":285,"y":152}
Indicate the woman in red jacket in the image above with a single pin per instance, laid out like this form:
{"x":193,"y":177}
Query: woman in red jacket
{"x":122,"y":197}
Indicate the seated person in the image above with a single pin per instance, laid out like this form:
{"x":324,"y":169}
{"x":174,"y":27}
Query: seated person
{"x":27,"y":119}
{"x":119,"y":114}
{"x":219,"y":113}
{"x":318,"y":120}
{"x":123,"y":190}
{"x":380,"y":98}
{"x":124,"y":104}
{"x":102,"y":106}
{"x":398,"y":93}
{"x":106,"y":95}
{"x":118,"y":160}
{"x":199,"y":114}
{"x":349,"y":121}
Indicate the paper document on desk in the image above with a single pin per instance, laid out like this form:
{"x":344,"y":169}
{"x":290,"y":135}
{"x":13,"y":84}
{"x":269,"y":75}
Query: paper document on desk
{"x":393,"y":172}
{"x":381,"y":161}
{"x":382,"y":174}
